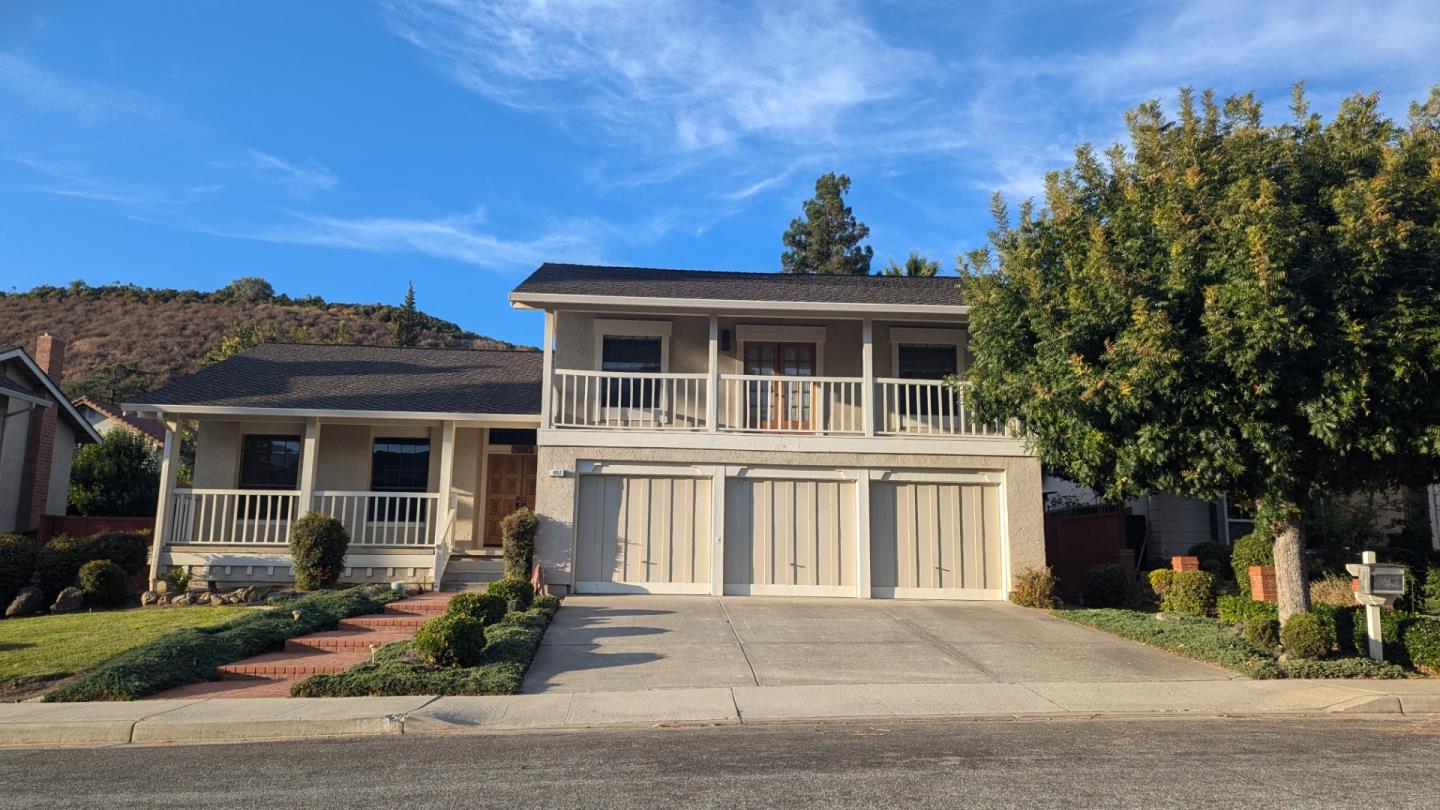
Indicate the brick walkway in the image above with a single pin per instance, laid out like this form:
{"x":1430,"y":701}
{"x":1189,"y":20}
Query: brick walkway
{"x":270,"y":674}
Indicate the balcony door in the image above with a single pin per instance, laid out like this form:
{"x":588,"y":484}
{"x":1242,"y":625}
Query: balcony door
{"x":780,"y":405}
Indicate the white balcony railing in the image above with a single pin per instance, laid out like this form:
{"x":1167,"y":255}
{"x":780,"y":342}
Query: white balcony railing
{"x":927,"y":408}
{"x":383,"y":518}
{"x":615,"y":399}
{"x":757,"y":403}
{"x":243,"y":516}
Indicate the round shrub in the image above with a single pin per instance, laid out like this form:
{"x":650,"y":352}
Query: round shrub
{"x":487,"y":608}
{"x":512,"y":589}
{"x":451,"y":640}
{"x":317,"y":547}
{"x":1263,"y":633}
{"x":517,"y":533}
{"x":1306,"y":636}
{"x":104,"y":583}
{"x":17,"y":563}
{"x":58,"y":561}
{"x":1035,"y":588}
{"x":1421,"y":637}
{"x":1191,"y":593}
{"x":1255,"y":548}
{"x":1107,"y":586}
{"x":1160,"y":580}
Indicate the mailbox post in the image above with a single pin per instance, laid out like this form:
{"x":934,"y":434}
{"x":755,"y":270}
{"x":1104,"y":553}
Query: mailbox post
{"x":1379,"y":586}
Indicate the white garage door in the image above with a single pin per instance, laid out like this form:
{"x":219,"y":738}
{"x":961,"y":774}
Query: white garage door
{"x":788,"y":537}
{"x":642,"y":534}
{"x":936,"y":541}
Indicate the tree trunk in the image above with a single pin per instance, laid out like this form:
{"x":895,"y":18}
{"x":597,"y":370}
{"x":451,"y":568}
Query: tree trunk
{"x":1291,"y":590}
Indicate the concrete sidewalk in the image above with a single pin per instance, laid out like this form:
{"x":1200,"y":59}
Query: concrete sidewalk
{"x":192,"y":721}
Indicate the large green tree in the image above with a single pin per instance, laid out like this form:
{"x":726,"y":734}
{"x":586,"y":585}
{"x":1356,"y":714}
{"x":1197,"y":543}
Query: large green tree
{"x":1226,"y":306}
{"x":120,"y":477}
{"x":828,"y":238}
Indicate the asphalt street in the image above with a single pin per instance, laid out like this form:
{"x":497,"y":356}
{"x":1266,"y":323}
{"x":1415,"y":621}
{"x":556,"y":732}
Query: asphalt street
{"x":1298,"y":762}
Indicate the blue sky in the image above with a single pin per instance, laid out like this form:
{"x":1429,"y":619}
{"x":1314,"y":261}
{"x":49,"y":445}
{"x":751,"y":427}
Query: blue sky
{"x":343,"y":148}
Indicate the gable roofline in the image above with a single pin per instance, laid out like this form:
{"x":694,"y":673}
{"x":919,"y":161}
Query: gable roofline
{"x":117,"y":413}
{"x":17,"y":353}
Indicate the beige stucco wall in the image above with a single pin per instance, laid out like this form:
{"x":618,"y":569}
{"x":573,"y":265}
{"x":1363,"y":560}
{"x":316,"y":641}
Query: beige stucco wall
{"x":555,"y":496}
{"x":62,"y":458}
{"x":12,"y":460}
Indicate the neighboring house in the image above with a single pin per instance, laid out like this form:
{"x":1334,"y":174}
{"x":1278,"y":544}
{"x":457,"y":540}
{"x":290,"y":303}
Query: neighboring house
{"x":105,"y":417}
{"x":39,"y":432}
{"x":681,"y":432}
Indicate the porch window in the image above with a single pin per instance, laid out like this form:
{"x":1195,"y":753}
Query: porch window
{"x":399,"y":465}
{"x":269,"y":462}
{"x":624,"y":353}
{"x":923,"y":361}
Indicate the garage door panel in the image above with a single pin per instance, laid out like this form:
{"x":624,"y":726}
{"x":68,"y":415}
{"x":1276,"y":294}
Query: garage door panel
{"x":642,"y":533}
{"x":935,"y":540}
{"x":789,"y":536}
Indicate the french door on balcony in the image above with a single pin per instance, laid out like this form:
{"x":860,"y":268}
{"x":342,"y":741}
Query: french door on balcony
{"x":783,"y":404}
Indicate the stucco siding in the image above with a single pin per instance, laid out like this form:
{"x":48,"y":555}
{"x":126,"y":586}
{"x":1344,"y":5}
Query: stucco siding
{"x":12,"y":460}
{"x":61,"y":460}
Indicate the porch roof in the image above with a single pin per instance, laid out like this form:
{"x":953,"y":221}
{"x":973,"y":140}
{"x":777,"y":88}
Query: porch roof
{"x":291,"y":377}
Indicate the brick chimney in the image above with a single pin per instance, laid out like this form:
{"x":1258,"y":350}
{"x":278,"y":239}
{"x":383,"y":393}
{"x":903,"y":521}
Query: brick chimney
{"x":40,"y":448}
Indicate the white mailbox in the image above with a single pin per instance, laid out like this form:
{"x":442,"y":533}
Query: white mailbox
{"x":1379,"y":586}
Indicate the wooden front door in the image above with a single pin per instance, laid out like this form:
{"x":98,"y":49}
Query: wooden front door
{"x":781,"y":405}
{"x":509,"y":485}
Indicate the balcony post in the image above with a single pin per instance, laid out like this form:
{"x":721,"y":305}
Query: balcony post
{"x":447,"y":471}
{"x":867,"y":357}
{"x":548,"y":347}
{"x":712,"y":396}
{"x":164,"y":512}
{"x":309,"y":461}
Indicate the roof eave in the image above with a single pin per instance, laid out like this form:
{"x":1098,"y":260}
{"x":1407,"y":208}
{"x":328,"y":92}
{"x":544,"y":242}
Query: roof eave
{"x":524,"y":300}
{"x":160,"y":411}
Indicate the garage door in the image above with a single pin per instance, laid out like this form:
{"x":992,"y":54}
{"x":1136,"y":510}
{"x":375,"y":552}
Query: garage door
{"x":935,"y":541}
{"x":790,"y":537}
{"x":643,"y":534}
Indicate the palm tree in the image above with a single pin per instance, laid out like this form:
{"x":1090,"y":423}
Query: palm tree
{"x":915,"y":265}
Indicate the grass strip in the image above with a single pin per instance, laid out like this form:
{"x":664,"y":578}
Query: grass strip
{"x":1191,"y":636}
{"x":192,"y":655}
{"x":509,"y":648}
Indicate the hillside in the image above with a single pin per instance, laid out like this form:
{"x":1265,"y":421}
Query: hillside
{"x":126,"y":339}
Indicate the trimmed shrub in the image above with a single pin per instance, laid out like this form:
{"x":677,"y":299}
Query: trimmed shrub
{"x":1305,"y":635}
{"x":317,"y":545}
{"x":1421,"y":639}
{"x":129,"y":550}
{"x":510,"y":589}
{"x":517,"y":532}
{"x":487,"y":608}
{"x":1262,"y":632}
{"x":1332,"y":589}
{"x":104,"y":583}
{"x":58,"y":562}
{"x":547,"y":604}
{"x":1233,"y":609}
{"x":1430,"y":591}
{"x":1191,"y":593}
{"x":178,"y":579}
{"x":1035,"y":588}
{"x":17,"y":563}
{"x":1255,"y":548}
{"x":451,"y":640}
{"x":1160,"y":580}
{"x":1108,"y":585}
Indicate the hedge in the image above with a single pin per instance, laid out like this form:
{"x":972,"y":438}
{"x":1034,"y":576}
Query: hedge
{"x":17,"y":563}
{"x":396,"y":670}
{"x":58,"y":562}
{"x":194,"y":655}
{"x":1236,"y":609}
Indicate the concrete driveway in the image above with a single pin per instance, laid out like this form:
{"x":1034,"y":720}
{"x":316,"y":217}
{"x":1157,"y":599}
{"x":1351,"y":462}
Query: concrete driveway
{"x":619,"y":643}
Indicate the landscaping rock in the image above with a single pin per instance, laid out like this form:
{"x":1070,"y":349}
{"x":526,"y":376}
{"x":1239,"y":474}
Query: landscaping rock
{"x":29,"y":600}
{"x":162,"y":587}
{"x":69,"y":600}
{"x":149,"y":599}
{"x":181,"y":600}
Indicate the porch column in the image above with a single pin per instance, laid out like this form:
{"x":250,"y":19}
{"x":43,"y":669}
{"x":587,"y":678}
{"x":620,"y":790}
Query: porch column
{"x":447,"y":473}
{"x":164,"y":514}
{"x":309,"y":461}
{"x":867,"y":358}
{"x":712,"y":397}
{"x":717,"y":531}
{"x":548,"y":347}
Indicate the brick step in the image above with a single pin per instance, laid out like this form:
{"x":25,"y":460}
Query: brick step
{"x":295,"y":663}
{"x":391,"y":621}
{"x":430,"y":609}
{"x":351,"y":640}
{"x":471,"y":577}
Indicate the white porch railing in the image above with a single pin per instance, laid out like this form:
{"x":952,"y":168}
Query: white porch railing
{"x":243,"y":516}
{"x":616,"y":399}
{"x":928,"y":407}
{"x":383,"y":518}
{"x":759,"y":403}
{"x":444,"y":547}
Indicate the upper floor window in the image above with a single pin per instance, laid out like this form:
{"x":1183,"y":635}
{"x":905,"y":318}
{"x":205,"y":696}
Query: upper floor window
{"x":269,"y":462}
{"x":927,"y":361}
{"x":400,"y":465}
{"x":625,"y":353}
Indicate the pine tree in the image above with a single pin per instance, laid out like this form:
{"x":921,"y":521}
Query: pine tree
{"x":407,"y":321}
{"x":915,"y":265}
{"x":827,"y":239}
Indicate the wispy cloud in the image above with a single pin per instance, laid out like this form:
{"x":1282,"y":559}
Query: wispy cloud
{"x":300,"y":180}
{"x":29,"y":86}
{"x":697,"y":76}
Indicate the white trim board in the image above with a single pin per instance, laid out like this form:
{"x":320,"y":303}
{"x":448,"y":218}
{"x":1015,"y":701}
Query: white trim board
{"x":183,"y":411}
{"x":899,"y":311}
{"x":20,"y":354}
{"x":701,"y":440}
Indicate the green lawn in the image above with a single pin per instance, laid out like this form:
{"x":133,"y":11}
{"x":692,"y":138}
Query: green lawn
{"x":46,"y":647}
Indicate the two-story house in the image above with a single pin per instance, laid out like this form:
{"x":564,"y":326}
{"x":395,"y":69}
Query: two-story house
{"x":680,"y":432}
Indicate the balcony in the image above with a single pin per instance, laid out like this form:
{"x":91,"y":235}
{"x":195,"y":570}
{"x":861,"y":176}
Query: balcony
{"x":763,"y":404}
{"x":256,"y":518}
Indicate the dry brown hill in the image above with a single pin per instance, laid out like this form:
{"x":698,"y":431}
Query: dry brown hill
{"x":126,"y":339}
